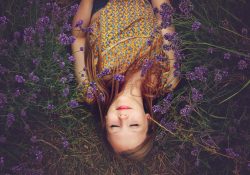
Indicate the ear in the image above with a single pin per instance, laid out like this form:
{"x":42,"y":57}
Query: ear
{"x":148,"y":116}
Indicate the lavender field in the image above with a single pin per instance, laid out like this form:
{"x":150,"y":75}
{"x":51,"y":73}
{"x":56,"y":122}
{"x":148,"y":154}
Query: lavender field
{"x":204,"y":124}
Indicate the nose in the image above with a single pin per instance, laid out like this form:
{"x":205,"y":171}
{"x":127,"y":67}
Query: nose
{"x":123,"y":116}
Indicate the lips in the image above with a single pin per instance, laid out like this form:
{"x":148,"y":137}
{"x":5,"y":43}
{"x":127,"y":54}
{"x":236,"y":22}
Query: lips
{"x":123,"y":107}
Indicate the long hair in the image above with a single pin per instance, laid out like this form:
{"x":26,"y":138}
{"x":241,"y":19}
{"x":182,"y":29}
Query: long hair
{"x":109,"y":88}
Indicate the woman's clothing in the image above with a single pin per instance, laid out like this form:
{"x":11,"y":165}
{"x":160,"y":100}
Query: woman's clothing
{"x":121,"y":39}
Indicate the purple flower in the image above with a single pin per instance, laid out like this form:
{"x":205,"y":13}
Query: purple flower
{"x":219,"y":75}
{"x":17,"y":35}
{"x":146,"y":66}
{"x":186,"y":111}
{"x":242,"y":64}
{"x":3,"y":70}
{"x":119,"y":77}
{"x":35,"y":62}
{"x":38,"y":155}
{"x":210,"y":50}
{"x":230,"y":152}
{"x":88,"y":30}
{"x":101,"y":97}
{"x":79,"y":23}
{"x":33,"y":139}
{"x":65,"y":143}
{"x":19,"y":79}
{"x":149,"y":42}
{"x":50,"y":106}
{"x":81,"y":48}
{"x":166,"y":12}
{"x":66,"y":92}
{"x":67,"y":27}
{"x":3,"y":100}
{"x":195,"y":151}
{"x":186,"y":7}
{"x":1,"y":162}
{"x":155,"y":10}
{"x":71,"y":58}
{"x":10,"y":120}
{"x":33,"y":77}
{"x":105,"y":71}
{"x":63,"y":80}
{"x":62,"y":64}
{"x":73,"y":104}
{"x":90,"y":93}
{"x":66,"y":40}
{"x":23,"y":113}
{"x":28,"y":35}
{"x":2,"y":139}
{"x":171,"y":36}
{"x":196,"y":95}
{"x":227,"y":56}
{"x":172,"y":126}
{"x":196,"y":25}
{"x":244,"y":31}
{"x":3,"y":20}
{"x":42,"y":23}
{"x":198,"y":74}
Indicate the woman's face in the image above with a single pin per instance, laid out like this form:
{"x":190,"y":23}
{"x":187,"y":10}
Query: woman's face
{"x":126,"y":128}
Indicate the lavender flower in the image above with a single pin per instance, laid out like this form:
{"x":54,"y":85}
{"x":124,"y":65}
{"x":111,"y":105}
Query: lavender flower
{"x":146,"y":66}
{"x":66,"y":40}
{"x":23,"y":113}
{"x":166,"y":13}
{"x":71,"y":58}
{"x":93,"y":85}
{"x":65,"y":143}
{"x":50,"y":106}
{"x":244,"y":31}
{"x":35,"y":62}
{"x":172,"y":126}
{"x":195,"y":151}
{"x":227,"y":56}
{"x":10,"y":120}
{"x":219,"y":75}
{"x":42,"y":23}
{"x":79,"y":23}
{"x":210,"y":50}
{"x":3,"y":20}
{"x":2,"y":139}
{"x":186,"y":111}
{"x":16,"y":35}
{"x":196,"y":25}
{"x":38,"y":155}
{"x":73,"y":104}
{"x":198,"y":74}
{"x":155,"y":10}
{"x":28,"y":35}
{"x":230,"y":152}
{"x":90,"y":93}
{"x":3,"y":70}
{"x":33,"y":139}
{"x":119,"y":77}
{"x":186,"y":7}
{"x":66,"y":92}
{"x":33,"y":77}
{"x":19,"y":79}
{"x":196,"y":95}
{"x":63,"y":80}
{"x":105,"y":71}
{"x":242,"y":64}
{"x":67,"y":27}
{"x":3,"y":100}
{"x":101,"y":97}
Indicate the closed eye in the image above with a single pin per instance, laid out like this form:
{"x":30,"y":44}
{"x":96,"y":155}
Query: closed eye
{"x":134,"y":125}
{"x":114,"y":126}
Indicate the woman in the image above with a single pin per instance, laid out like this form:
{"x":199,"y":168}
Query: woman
{"x":121,"y":66}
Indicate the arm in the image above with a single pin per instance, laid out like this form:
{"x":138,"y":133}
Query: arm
{"x":83,"y":13}
{"x":171,"y":79}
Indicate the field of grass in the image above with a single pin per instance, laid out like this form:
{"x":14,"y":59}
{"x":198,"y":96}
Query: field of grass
{"x":45,"y":130}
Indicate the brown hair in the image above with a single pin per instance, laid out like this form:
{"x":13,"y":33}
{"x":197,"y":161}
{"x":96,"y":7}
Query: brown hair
{"x":110,"y":89}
